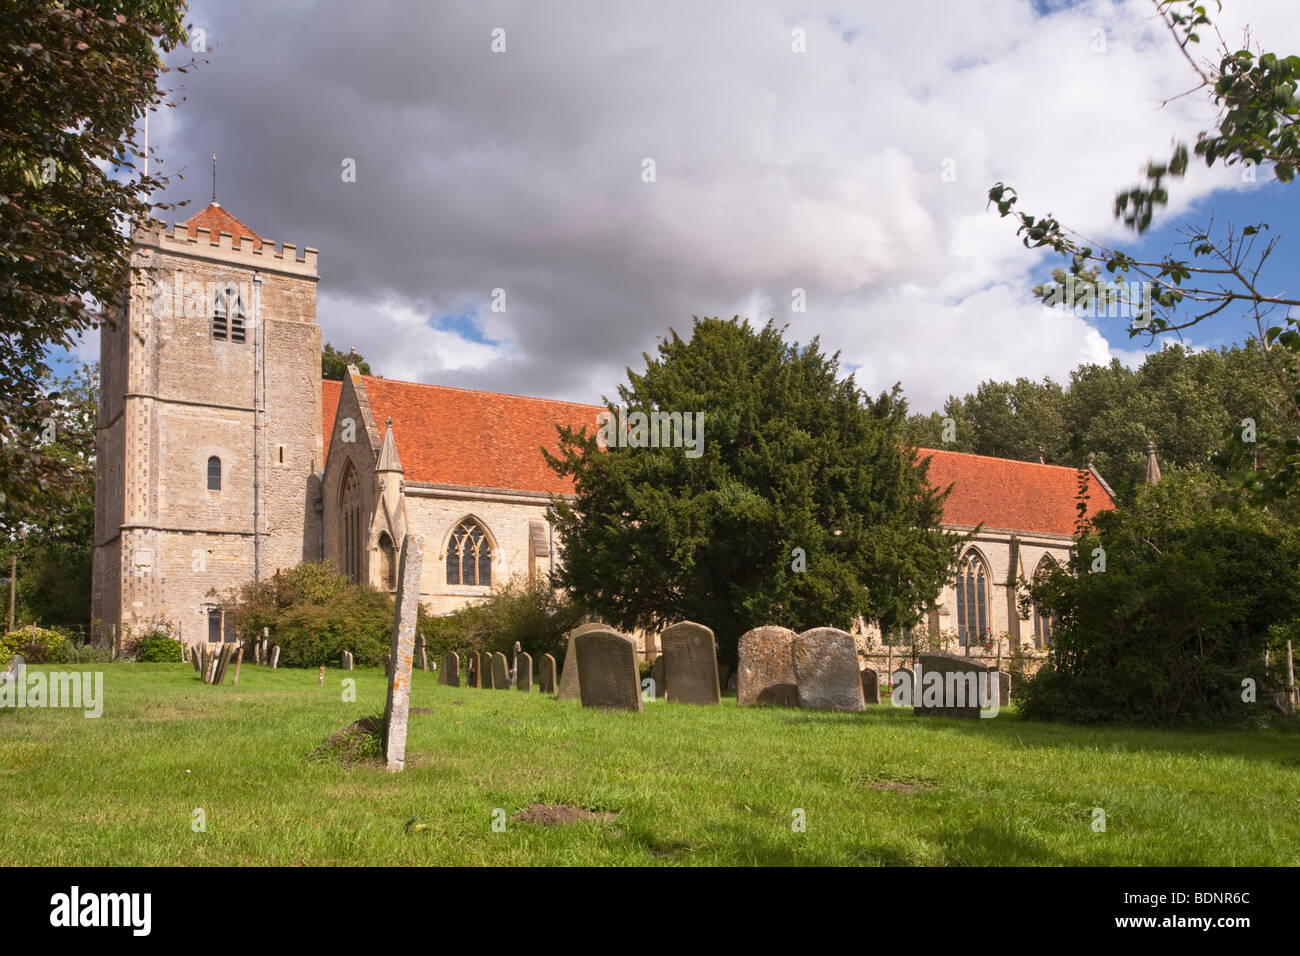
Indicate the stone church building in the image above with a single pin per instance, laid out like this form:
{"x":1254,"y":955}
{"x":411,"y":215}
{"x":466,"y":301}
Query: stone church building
{"x":222,"y":456}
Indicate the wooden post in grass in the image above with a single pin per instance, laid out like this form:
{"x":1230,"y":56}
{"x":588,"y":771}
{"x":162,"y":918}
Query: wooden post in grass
{"x":320,"y":677}
{"x":402,"y":653}
{"x":1290,"y":677}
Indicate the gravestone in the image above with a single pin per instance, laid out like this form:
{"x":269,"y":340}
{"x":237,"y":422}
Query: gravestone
{"x":725,"y":673}
{"x":401,"y":655}
{"x":870,"y":686}
{"x":731,"y":683}
{"x":691,"y":663}
{"x":948,"y":686}
{"x":570,"y":682}
{"x":14,"y":671}
{"x":524,"y":672}
{"x":826,"y":670}
{"x":765,"y":674}
{"x":194,"y":657}
{"x":450,"y":675}
{"x":657,"y":675}
{"x":475,"y":676}
{"x":239,"y":658}
{"x":902,"y":685}
{"x":223,"y":661}
{"x":500,"y":672}
{"x":485,"y":670}
{"x":275,"y":656}
{"x":608,"y":675}
{"x":546,"y":675}
{"x":1004,"y":688}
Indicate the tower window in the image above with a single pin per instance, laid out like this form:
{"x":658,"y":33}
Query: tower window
{"x":228,"y":315}
{"x":214,"y":473}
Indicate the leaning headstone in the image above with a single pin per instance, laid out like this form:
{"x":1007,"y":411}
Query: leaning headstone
{"x":870,"y":685}
{"x":500,"y":672}
{"x":223,"y":661}
{"x":450,"y":675}
{"x":826,"y":670}
{"x":401,"y":655}
{"x":691,"y":663}
{"x":657,"y":675}
{"x":546,"y":675}
{"x":524,"y":672}
{"x":948,"y":686}
{"x":475,"y":676}
{"x":194,"y":658}
{"x":765,"y":674}
{"x":608,"y":675}
{"x":570,"y":682}
{"x":275,"y":656}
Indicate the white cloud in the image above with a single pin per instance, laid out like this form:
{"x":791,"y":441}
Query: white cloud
{"x":775,"y":170}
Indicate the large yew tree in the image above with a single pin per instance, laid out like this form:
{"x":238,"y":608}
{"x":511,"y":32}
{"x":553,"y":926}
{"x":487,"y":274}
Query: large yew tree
{"x":75,"y":81}
{"x":793,"y":457}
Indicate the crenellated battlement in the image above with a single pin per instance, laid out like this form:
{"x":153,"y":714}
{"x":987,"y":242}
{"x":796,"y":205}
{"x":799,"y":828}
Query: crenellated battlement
{"x":176,"y":239}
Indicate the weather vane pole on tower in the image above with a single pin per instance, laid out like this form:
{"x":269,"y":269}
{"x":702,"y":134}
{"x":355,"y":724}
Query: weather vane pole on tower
{"x":214,"y":177}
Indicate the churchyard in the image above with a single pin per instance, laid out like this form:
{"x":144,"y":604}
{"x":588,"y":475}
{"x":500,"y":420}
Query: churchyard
{"x":180,"y":772}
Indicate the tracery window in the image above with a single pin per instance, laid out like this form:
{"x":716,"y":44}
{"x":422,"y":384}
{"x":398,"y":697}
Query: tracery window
{"x":469,"y":556}
{"x":972,"y":599}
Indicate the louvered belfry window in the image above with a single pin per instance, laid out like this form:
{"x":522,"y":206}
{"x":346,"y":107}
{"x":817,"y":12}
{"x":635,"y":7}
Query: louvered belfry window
{"x":469,"y":556}
{"x":228,"y":315}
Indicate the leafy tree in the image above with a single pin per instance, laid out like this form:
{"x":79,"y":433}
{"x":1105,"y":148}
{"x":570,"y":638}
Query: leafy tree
{"x":1255,"y":93}
{"x":55,"y":544}
{"x":74,"y":82}
{"x":791,"y":457}
{"x":334,"y":364}
{"x":1192,"y":591}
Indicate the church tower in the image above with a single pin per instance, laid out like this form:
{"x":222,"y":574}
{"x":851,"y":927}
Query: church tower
{"x":210,"y":424}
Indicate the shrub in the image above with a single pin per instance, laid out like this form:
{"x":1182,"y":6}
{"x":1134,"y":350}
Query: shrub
{"x":37,"y":645}
{"x":314,"y":614}
{"x":532,"y":614}
{"x":1180,"y":617}
{"x":154,"y":643}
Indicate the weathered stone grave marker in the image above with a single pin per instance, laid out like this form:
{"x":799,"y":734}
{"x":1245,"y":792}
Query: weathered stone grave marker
{"x":949,"y":686}
{"x":402,"y":653}
{"x":450,"y":675}
{"x":766,"y":671}
{"x":546,"y":675}
{"x":826,"y":670}
{"x":691,"y":663}
{"x":570,"y":681}
{"x":475,"y":675}
{"x":870,"y":686}
{"x":524,"y":672}
{"x":275,"y":656}
{"x":608,"y":675}
{"x":500,"y":672}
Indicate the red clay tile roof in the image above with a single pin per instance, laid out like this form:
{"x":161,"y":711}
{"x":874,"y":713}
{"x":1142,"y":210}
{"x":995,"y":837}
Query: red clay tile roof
{"x":455,"y":436}
{"x":460,"y":437}
{"x":1012,"y":495}
{"x":329,"y":406}
{"x":215,"y":219}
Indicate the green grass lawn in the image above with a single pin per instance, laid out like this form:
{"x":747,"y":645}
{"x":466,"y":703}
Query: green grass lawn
{"x":690,"y":785}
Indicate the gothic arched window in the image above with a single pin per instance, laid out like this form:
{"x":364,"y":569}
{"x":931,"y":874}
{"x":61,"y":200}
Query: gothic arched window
{"x":469,"y":556}
{"x":214,"y":473}
{"x":972,"y":599}
{"x":350,"y":527}
{"x":1042,"y":621}
{"x":387,"y":562}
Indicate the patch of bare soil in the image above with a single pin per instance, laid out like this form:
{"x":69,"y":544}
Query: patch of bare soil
{"x":559,"y":814}
{"x":421,"y":710}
